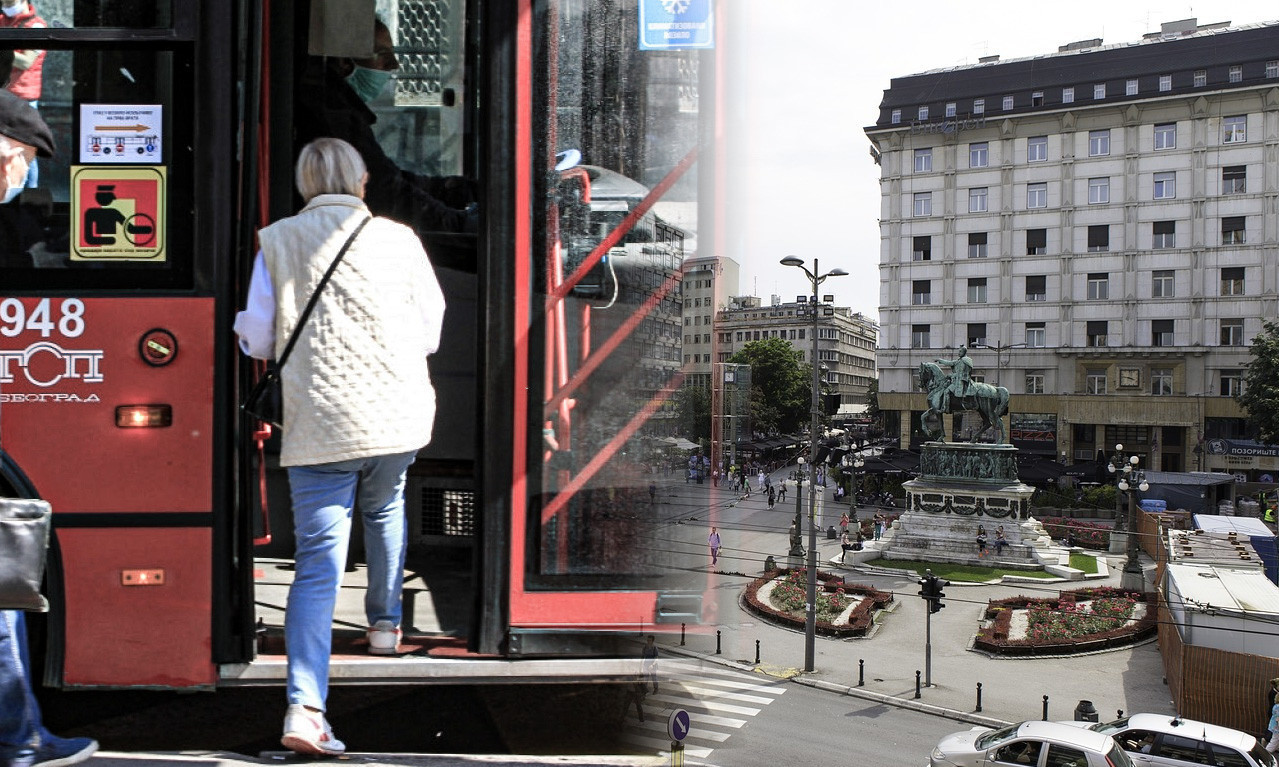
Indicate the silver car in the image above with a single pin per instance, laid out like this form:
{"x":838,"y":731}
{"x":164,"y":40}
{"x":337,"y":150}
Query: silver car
{"x":1169,"y":741}
{"x":1029,"y":744}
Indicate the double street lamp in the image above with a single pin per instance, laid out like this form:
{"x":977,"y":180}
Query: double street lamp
{"x":815,"y":278}
{"x":854,"y":463}
{"x":1129,"y":479}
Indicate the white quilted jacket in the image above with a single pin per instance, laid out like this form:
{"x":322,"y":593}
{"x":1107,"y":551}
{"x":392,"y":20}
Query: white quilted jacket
{"x":356,"y":384}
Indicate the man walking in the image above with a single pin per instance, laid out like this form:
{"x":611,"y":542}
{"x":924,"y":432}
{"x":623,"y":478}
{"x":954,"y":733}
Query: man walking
{"x":713,"y":540}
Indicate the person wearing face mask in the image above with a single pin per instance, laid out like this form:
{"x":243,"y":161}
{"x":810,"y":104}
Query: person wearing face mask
{"x":27,"y":78}
{"x":333,"y":99}
{"x":23,"y":737}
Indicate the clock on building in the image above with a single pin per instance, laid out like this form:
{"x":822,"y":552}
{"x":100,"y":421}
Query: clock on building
{"x":1129,"y":377}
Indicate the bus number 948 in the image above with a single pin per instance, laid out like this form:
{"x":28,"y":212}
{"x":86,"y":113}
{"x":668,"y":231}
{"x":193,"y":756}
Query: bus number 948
{"x":69,"y":323}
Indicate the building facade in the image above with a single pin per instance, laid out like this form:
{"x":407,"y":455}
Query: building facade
{"x":707,"y":283}
{"x":1098,"y":226}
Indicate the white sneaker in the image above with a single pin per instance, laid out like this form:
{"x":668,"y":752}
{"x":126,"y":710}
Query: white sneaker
{"x":384,"y":638}
{"x":308,"y":732}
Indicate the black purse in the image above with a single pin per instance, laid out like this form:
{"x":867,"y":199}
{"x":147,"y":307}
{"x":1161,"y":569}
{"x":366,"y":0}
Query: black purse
{"x":265,"y":401}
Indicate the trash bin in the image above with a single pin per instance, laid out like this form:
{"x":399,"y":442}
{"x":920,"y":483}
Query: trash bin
{"x":830,"y":533}
{"x":1085,"y":712}
{"x":770,"y":564}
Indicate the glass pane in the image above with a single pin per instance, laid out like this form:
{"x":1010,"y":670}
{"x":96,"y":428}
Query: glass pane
{"x":131,"y":14}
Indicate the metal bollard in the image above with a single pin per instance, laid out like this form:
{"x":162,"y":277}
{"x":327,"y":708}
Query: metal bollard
{"x":916,"y":683}
{"x":979,"y":696}
{"x":861,"y":673}
{"x":718,"y":634}
{"x":1086,"y":712}
{"x":682,"y":626}
{"x":1045,"y":708}
{"x":757,"y":652}
{"x":1119,"y":714}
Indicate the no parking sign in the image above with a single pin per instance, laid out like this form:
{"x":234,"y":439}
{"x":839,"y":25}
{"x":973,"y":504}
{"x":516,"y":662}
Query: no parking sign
{"x":117,"y":213}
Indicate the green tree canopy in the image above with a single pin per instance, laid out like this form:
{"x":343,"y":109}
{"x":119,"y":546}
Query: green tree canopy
{"x":780,"y":385}
{"x":694,"y":404}
{"x":1261,"y":384}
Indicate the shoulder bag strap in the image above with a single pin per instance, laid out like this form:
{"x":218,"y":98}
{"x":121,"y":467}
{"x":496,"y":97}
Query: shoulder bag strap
{"x":297,"y":329}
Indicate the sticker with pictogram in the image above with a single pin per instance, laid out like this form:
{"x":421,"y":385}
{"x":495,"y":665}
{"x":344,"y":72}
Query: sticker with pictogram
{"x":118,"y":213}
{"x":121,"y":134}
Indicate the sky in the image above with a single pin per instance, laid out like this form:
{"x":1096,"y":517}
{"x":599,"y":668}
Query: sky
{"x":806,"y":78}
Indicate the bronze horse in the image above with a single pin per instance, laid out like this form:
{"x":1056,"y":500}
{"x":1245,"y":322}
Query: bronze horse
{"x":990,"y":402}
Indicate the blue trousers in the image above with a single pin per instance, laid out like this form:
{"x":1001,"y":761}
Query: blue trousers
{"x":19,"y":712}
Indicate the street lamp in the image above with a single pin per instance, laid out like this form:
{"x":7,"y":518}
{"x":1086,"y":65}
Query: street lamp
{"x":853,"y":462}
{"x":999,"y":350}
{"x":796,"y":548}
{"x":1129,"y":479}
{"x":815,"y":278}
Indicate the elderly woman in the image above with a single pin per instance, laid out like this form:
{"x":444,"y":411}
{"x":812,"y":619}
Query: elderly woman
{"x":358,"y":404}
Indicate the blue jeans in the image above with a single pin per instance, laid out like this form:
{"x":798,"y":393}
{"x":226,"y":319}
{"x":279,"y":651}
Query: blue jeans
{"x":323,"y":498}
{"x":19,"y":712}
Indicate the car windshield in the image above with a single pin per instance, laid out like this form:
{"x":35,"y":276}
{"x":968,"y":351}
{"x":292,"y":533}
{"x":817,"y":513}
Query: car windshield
{"x":1261,"y":756}
{"x":1117,"y":757}
{"x":995,"y":737}
{"x":1110,"y":728}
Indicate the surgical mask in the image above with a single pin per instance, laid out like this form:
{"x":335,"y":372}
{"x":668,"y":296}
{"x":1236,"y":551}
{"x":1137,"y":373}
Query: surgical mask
{"x":14,"y":191}
{"x":14,"y":10}
{"x":367,"y":83}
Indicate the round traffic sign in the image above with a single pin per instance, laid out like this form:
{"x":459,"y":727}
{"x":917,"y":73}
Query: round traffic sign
{"x":677,"y":725}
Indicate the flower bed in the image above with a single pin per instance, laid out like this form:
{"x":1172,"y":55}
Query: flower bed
{"x":833,"y":599}
{"x":1089,"y":535}
{"x":1060,"y":627}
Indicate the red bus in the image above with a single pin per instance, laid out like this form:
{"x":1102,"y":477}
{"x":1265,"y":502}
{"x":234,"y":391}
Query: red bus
{"x":565,"y":157}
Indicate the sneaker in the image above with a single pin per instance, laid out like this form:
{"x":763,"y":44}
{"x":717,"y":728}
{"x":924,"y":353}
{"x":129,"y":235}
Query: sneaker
{"x":384,"y":638}
{"x":56,"y":752}
{"x":308,"y":732}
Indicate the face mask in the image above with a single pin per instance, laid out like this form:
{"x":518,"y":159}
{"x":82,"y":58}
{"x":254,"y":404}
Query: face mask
{"x":367,"y":83}
{"x":14,"y":10}
{"x":14,"y":191}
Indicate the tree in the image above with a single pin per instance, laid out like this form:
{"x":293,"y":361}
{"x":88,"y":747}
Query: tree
{"x":872,"y":400}
{"x":780,"y":385}
{"x":694,"y":403}
{"x":1261,"y":384}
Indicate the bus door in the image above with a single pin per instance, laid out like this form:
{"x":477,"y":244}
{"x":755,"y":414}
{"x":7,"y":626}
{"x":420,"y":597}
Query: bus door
{"x":110,"y":325}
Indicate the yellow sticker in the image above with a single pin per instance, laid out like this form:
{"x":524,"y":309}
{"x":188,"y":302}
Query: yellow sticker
{"x":118,"y":213}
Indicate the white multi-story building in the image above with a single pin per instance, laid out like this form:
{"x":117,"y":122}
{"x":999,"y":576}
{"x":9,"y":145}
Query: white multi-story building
{"x":1099,"y":226}
{"x":708,"y":282}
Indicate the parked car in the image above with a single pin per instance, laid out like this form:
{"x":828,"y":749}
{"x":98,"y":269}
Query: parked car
{"x":1168,"y":741}
{"x":1034,"y":743}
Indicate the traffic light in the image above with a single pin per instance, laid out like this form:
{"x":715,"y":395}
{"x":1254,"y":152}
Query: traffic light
{"x":930,"y":588}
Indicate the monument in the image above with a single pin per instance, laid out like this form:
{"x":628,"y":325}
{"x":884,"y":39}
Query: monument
{"x":966,"y":485}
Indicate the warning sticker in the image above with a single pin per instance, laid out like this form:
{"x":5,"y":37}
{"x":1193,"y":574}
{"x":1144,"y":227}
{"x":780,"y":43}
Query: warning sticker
{"x":118,"y":213}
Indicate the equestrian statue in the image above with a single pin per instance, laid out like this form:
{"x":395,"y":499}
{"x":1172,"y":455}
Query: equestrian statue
{"x":956,"y":392}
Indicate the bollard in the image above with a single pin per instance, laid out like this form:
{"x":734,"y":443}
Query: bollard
{"x":1119,"y":714}
{"x":861,"y":672}
{"x":916,"y":683}
{"x":719,"y":633}
{"x":979,"y":697}
{"x":1085,"y":712}
{"x":682,"y":626}
{"x":1045,"y":708}
{"x":756,"y":652}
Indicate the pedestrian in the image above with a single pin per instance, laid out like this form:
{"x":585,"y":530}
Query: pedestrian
{"x":844,"y":545}
{"x":1000,"y":541}
{"x":358,"y":404}
{"x":981,"y":541}
{"x":23,"y":736}
{"x":652,"y":492}
{"x":879,"y":525}
{"x":1273,"y":744}
{"x":843,"y":522}
{"x":649,"y":655}
{"x":26,"y":80}
{"x":715,"y":478}
{"x":713,"y":540}
{"x":781,"y":494}
{"x":772,"y":497}
{"x":1271,"y":694}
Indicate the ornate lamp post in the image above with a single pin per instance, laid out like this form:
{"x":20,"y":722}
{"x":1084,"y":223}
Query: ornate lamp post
{"x":854,"y":463}
{"x":1129,"y":479}
{"x":796,"y":548}
{"x":815,"y":278}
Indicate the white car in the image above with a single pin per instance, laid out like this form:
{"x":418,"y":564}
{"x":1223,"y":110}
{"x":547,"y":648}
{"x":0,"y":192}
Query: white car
{"x":1160,"y":740}
{"x":1029,"y":744}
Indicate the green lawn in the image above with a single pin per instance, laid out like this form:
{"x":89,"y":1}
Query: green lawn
{"x":953,"y":572}
{"x":1084,"y":562}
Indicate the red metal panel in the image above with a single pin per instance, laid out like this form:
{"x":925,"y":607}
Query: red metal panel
{"x":128,"y":635}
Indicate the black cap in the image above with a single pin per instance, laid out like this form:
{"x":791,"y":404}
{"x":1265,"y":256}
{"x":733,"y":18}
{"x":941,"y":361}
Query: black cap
{"x":20,"y":122}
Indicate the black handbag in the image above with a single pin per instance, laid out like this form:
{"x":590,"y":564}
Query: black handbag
{"x":265,"y":401}
{"x":24,"y":546}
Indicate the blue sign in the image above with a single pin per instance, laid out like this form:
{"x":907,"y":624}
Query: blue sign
{"x":673,"y":25}
{"x":677,"y":725}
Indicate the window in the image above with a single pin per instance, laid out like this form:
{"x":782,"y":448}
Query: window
{"x":922,"y":248}
{"x":950,"y":109}
{"x":1098,"y":238}
{"x":979,"y":106}
{"x":1165,"y":185}
{"x":923,"y":203}
{"x":1034,"y":383}
{"x":1036,"y":287}
{"x":1096,"y":331}
{"x":919,"y":336}
{"x":1166,"y":136}
{"x":1272,"y":68}
{"x":1164,"y":234}
{"x":896,"y":117}
{"x":1236,"y":74}
{"x":1161,"y":381}
{"x":1099,"y":91}
{"x":1201,"y":78}
{"x":1068,"y":95}
{"x":978,"y":155}
{"x":1008,"y":103}
{"x":1130,"y":88}
{"x":1037,"y":149}
{"x":1035,"y":334}
{"x":1098,"y":191}
{"x":976,"y":290}
{"x":1232,"y":332}
{"x":977,"y":245}
{"x":1231,"y":386}
{"x":1162,"y":284}
{"x":1232,"y":281}
{"x":1037,"y":195}
{"x":1098,"y":143}
{"x":1064,"y":756}
{"x":1095,"y":383}
{"x":976,"y":334}
{"x":1165,"y":83}
{"x":977,"y":200}
{"x":923,"y":112}
{"x":1234,"y":130}
{"x":921,"y":292}
{"x":1036,"y":242}
{"x":1161,"y":332}
{"x":923,"y":160}
{"x":1234,"y":179}
{"x":1037,"y":99}
{"x":1098,"y":286}
{"x":1232,"y":230}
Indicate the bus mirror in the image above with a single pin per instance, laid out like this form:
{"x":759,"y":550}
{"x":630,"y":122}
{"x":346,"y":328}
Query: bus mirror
{"x":341,"y":28}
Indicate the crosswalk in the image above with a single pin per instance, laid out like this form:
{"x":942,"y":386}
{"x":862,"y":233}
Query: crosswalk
{"x":719,"y":701}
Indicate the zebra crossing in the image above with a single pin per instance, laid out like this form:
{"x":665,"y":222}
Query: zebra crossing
{"x":719,"y":701}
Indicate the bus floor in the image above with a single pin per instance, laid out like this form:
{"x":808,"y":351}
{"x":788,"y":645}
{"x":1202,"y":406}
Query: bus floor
{"x":438,"y":594}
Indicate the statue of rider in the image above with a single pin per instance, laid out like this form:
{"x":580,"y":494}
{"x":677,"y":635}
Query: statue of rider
{"x":961,"y":371}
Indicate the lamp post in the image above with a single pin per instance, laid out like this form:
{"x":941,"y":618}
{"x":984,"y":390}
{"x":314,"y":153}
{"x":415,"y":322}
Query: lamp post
{"x":999,"y":350}
{"x":854,"y":463}
{"x":1129,"y":479}
{"x":796,"y":548}
{"x":815,"y":278}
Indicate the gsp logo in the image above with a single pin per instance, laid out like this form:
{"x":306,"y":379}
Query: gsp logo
{"x":83,"y":364}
